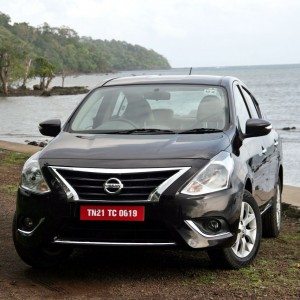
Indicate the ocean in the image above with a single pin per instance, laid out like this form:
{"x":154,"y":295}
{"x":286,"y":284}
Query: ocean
{"x":276,"y":87}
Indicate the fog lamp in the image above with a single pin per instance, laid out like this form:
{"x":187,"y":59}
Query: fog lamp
{"x":214,"y":225}
{"x":28,"y":223}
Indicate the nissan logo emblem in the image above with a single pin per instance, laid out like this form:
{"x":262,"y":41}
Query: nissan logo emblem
{"x":113,"y":186}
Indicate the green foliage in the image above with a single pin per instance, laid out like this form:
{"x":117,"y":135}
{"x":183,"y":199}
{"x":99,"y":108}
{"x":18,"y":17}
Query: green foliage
{"x":66,"y":52}
{"x":43,"y":68}
{"x":13,"y":53}
{"x":4,"y":20}
{"x":13,"y":158}
{"x":9,"y":189}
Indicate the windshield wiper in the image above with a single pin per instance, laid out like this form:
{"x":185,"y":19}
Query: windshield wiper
{"x":142,"y":130}
{"x":201,"y":130}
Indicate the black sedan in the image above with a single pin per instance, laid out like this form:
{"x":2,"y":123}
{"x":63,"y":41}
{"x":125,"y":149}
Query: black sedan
{"x":170,"y":161}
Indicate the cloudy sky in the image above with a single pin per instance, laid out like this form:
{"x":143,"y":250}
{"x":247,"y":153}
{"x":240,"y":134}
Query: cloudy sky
{"x":188,"y":32}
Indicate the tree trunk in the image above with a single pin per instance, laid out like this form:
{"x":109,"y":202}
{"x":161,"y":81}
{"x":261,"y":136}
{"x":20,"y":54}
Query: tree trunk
{"x":5,"y":88}
{"x":63,"y":76}
{"x":49,"y":79}
{"x":4,"y":81}
{"x":27,"y":68}
{"x":4,"y":63}
{"x":42,"y":83}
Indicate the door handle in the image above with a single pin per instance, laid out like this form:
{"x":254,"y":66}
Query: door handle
{"x":264,"y":150}
{"x":275,"y":143}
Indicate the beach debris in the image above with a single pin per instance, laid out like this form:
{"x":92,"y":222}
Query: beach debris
{"x":289,"y":128}
{"x":37,"y":143}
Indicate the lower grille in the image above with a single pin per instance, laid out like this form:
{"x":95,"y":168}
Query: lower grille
{"x":118,"y":232}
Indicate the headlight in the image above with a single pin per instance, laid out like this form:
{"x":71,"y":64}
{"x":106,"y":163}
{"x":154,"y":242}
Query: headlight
{"x":214,"y":177}
{"x":32,"y":177}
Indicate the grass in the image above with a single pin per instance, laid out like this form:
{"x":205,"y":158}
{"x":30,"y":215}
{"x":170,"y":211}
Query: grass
{"x":12,"y":158}
{"x":9,"y":189}
{"x":206,"y":278}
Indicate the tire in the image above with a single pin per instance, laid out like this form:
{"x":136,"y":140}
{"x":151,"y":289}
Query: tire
{"x":271,"y":220}
{"x":243,"y":251}
{"x":40,"y":257}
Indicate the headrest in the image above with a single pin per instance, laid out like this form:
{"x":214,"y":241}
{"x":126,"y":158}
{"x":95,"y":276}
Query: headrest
{"x":210,"y":105}
{"x":137,"y":111}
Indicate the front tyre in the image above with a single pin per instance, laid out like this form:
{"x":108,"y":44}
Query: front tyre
{"x":42,"y":256}
{"x":246,"y":246}
{"x":271,"y":220}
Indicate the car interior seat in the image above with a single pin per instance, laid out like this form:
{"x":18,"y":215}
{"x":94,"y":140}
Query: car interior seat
{"x":211,"y":113}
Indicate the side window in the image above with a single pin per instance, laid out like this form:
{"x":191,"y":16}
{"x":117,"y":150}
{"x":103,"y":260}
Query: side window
{"x":241,"y":108}
{"x":250,"y":104}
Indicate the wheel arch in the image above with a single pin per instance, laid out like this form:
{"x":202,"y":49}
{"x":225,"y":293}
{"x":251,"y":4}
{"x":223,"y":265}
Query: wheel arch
{"x":248,"y":185}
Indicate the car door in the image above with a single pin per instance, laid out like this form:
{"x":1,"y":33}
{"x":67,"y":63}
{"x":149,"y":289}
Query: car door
{"x":270,"y":143}
{"x":267,"y":148}
{"x":254,"y":148}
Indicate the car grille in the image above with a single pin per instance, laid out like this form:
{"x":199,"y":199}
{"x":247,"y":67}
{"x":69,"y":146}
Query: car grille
{"x":136,"y":186}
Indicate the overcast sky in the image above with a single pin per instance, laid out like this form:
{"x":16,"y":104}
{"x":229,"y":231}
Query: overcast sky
{"x":188,"y":32}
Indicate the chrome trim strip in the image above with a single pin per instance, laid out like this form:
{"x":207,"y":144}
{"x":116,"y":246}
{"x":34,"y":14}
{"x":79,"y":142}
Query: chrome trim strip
{"x":269,"y":127}
{"x":195,"y":228}
{"x":33,"y":191}
{"x":29,"y":233}
{"x":59,"y":241}
{"x":154,"y":196}
{"x":74,"y":195}
{"x":269,"y":205}
{"x":117,"y":171}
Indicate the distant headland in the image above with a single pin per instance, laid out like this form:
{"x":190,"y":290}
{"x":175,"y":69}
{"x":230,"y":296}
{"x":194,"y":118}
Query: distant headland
{"x":45,"y":52}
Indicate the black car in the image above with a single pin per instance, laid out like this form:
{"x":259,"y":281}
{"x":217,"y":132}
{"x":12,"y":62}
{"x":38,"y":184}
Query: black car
{"x":186,"y":161}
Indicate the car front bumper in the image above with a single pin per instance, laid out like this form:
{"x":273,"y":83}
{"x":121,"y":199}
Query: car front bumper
{"x":173,"y":221}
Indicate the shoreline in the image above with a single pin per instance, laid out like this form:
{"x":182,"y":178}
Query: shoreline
{"x":54,"y":91}
{"x":290,"y":193}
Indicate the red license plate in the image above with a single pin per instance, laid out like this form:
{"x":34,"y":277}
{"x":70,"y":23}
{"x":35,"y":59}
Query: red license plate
{"x":112,"y":213}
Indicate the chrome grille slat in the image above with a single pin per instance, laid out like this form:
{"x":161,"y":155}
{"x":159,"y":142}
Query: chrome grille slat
{"x":104,"y":194}
{"x":124,"y":188}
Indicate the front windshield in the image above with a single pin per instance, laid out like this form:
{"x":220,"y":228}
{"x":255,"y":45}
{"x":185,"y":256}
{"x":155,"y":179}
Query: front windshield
{"x":159,"y":108}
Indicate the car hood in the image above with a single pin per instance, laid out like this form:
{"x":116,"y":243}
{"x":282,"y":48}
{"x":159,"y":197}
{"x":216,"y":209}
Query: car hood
{"x":131,"y":147}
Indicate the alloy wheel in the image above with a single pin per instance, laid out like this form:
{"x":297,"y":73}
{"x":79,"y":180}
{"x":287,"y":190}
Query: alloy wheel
{"x":247,"y":232}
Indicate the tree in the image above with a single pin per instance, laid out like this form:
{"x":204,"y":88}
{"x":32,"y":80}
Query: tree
{"x":27,"y":51}
{"x":4,"y":20}
{"x":45,"y":70}
{"x":12,"y":53}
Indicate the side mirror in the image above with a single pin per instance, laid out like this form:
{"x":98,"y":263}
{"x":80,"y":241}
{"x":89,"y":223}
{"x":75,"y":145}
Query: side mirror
{"x":50,"y":127}
{"x":257,"y":127}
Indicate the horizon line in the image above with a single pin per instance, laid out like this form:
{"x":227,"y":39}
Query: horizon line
{"x":235,"y":66}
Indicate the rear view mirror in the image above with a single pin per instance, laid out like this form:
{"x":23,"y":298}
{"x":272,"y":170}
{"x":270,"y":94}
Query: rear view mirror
{"x":257,"y":127}
{"x":50,"y":127}
{"x":157,"y":95}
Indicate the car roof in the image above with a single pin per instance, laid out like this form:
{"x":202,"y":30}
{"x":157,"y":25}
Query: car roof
{"x":164,"y":79}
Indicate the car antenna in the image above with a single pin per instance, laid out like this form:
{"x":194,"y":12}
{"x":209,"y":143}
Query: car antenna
{"x":191,"y":68}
